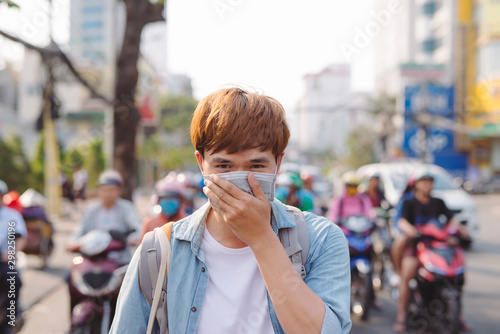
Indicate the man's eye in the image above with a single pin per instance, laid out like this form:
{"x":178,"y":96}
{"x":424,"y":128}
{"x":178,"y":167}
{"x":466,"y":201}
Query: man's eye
{"x":223,"y":166}
{"x":257,"y":166}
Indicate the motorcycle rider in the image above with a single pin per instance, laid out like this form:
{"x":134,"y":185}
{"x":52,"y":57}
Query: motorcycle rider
{"x":290,"y":191}
{"x":111,"y":213}
{"x":374,"y":192}
{"x":417,"y":210}
{"x":11,"y":221}
{"x":169,"y":193}
{"x":351,"y":202}
{"x":398,"y":244}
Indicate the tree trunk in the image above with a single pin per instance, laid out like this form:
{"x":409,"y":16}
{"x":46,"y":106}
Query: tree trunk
{"x":126,"y":115}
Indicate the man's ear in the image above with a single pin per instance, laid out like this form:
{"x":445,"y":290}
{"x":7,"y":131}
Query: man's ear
{"x":199,"y":158}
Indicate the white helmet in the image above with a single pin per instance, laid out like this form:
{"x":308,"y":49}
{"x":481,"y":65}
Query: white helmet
{"x":110,"y":177}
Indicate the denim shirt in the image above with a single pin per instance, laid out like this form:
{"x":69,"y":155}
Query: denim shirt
{"x":327,"y":267}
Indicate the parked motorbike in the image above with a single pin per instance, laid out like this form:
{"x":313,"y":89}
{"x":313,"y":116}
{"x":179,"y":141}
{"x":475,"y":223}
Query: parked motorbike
{"x":436,"y":292}
{"x":95,"y":281}
{"x":358,"y":230}
{"x":40,"y":230}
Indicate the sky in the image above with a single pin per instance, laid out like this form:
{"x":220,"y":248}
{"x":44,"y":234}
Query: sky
{"x":264,"y":45}
{"x":268,"y":45}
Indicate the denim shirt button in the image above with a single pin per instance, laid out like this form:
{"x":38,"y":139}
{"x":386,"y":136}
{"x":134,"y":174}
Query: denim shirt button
{"x":202,"y":269}
{"x":193,"y":309}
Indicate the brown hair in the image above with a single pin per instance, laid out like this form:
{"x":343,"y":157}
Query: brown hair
{"x":233,"y":119}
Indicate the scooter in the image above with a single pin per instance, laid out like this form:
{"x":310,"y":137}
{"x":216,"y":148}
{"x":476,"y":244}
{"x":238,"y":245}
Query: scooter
{"x":435,"y":297}
{"x":382,"y":243}
{"x":95,"y":281}
{"x":358,"y":230}
{"x":40,"y":230}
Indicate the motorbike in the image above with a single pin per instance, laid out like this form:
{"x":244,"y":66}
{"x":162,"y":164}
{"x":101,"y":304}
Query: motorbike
{"x":358,"y":230}
{"x":95,"y":280}
{"x":435,"y":297}
{"x":40,"y":230}
{"x":382,"y":243}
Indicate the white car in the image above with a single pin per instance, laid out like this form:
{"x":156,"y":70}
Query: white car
{"x":393,"y":179}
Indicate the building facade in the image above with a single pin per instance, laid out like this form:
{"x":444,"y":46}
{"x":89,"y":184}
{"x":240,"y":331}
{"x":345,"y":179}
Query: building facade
{"x":328,"y":111}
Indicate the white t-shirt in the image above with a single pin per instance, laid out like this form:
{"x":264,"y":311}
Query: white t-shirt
{"x":236,"y":296}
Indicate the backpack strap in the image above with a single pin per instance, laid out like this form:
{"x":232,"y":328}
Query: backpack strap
{"x":296,"y":240}
{"x":152,"y":281}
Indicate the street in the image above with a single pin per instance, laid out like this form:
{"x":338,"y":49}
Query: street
{"x":44,"y":293}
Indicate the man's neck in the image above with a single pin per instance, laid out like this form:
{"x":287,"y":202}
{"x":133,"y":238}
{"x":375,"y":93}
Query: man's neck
{"x":221,"y":232}
{"x":108,"y":206}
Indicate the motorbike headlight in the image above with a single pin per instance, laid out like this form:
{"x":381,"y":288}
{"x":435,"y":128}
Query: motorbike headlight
{"x":80,"y":284}
{"x":115,"y":281}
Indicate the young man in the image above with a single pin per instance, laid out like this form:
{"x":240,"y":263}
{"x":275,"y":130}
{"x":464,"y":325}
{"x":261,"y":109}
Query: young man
{"x":419,"y":209}
{"x":228,"y":272}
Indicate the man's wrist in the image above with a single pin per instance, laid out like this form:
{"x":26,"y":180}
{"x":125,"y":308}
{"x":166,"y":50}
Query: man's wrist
{"x":264,"y":241}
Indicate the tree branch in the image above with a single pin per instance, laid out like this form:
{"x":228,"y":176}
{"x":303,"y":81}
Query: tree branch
{"x":42,"y":51}
{"x":53,"y":51}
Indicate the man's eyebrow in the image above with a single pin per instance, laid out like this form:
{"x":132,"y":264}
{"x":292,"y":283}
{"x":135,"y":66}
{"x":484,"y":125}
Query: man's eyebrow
{"x":220,"y":160}
{"x":260,"y":160}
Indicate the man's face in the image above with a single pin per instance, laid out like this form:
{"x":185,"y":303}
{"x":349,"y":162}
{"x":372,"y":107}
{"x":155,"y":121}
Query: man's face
{"x":374,"y":182}
{"x":351,"y":189}
{"x":109,"y":193}
{"x":424,"y":186}
{"x":252,"y":160}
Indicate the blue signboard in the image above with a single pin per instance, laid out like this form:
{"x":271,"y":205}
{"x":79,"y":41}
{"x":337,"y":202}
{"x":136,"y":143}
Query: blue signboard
{"x":435,"y":100}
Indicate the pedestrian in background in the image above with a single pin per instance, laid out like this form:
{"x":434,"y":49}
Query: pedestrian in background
{"x":80,"y":181}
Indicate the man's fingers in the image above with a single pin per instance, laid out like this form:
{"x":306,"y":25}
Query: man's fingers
{"x":256,"y":188}
{"x":226,"y":187}
{"x":215,"y":194}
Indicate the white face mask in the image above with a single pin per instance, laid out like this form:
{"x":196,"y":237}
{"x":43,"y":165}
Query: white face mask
{"x":267,"y":181}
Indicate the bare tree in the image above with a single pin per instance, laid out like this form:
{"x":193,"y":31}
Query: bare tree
{"x":126,"y":116}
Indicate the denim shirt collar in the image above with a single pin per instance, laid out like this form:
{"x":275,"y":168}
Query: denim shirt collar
{"x":192,"y":228}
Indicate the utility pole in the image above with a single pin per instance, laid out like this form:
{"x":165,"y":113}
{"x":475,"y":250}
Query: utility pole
{"x":53,"y":191}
